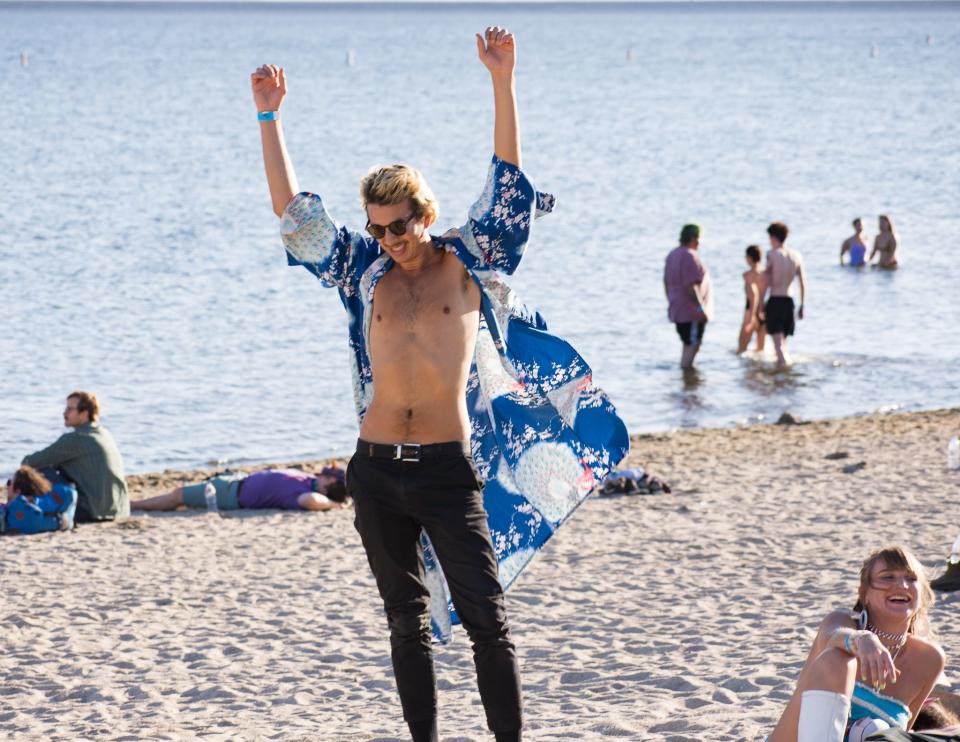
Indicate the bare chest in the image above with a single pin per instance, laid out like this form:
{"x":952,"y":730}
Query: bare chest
{"x":429,"y":304}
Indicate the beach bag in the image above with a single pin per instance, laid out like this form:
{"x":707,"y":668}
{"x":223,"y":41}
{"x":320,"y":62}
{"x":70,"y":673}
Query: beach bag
{"x":53,"y":511}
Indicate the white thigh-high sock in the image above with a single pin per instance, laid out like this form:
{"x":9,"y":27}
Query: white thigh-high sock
{"x":823,"y":716}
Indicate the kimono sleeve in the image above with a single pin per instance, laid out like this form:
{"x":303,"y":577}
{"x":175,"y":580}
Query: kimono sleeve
{"x":336,"y":255}
{"x":499,"y":222}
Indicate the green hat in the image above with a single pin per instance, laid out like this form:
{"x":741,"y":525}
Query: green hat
{"x":689,"y":233}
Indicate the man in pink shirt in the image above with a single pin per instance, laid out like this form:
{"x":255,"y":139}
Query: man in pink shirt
{"x":686,"y":281}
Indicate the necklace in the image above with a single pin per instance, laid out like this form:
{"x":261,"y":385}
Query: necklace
{"x":898,"y":640}
{"x":889,"y":636}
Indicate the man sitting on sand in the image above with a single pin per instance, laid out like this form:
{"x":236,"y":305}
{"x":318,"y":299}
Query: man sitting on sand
{"x":89,"y":457}
{"x":856,"y":246}
{"x":783,"y":266}
{"x":284,"y":489}
{"x":686,"y":282}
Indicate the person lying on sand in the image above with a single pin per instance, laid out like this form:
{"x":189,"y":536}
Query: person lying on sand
{"x":284,"y":489}
{"x":34,"y":505}
{"x":872,"y":669}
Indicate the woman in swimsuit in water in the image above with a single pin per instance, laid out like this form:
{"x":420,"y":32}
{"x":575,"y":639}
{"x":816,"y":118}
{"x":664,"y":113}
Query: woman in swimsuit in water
{"x":855,"y":246}
{"x":872,"y":669}
{"x":886,"y":244}
{"x":753,"y":287}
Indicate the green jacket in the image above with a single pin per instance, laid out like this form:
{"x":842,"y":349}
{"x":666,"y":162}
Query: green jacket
{"x":89,"y":456}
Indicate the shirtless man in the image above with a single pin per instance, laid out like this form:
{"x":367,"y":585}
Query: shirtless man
{"x":783,"y":266}
{"x":855,"y":245}
{"x":886,"y":244}
{"x":414,"y":344}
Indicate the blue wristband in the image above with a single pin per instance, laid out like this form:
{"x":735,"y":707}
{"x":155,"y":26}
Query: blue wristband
{"x":268,"y":115}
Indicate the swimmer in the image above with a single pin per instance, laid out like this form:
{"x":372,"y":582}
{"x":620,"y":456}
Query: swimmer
{"x":753,"y":288}
{"x":855,"y":245}
{"x":886,"y":243}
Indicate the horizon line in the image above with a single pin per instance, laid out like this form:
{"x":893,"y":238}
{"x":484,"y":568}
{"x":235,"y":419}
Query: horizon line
{"x":482,"y":3}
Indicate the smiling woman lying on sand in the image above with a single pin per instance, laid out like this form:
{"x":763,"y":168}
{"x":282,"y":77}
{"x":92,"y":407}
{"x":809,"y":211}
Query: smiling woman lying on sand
{"x":873,"y":669}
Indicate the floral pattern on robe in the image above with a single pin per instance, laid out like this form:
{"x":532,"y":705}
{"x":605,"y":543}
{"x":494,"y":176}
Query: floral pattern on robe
{"x":542,"y":433}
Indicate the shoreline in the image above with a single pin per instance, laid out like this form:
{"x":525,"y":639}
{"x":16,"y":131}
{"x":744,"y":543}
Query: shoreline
{"x":155,"y":481}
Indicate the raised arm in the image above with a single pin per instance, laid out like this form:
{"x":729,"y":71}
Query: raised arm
{"x":269,"y":85}
{"x":498,"y":52}
{"x":334,"y":254}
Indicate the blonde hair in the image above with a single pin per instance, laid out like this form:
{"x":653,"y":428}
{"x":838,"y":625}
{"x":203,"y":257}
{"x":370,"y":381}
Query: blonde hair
{"x":889,"y":222}
{"x":393,"y":184}
{"x":86,"y":402}
{"x":897,"y":557}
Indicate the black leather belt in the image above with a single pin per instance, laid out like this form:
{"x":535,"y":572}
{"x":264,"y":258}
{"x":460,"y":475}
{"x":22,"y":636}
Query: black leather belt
{"x":411,"y":451}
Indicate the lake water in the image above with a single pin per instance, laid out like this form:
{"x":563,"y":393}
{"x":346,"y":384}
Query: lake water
{"x":140,"y":257}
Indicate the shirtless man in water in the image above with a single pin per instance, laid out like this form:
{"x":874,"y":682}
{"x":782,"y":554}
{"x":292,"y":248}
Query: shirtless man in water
{"x":416,"y":338}
{"x":783,"y":266}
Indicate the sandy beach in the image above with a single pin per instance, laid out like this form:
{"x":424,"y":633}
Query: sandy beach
{"x":667,"y":617}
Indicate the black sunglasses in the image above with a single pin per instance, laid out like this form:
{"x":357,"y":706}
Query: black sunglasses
{"x":398,"y":227}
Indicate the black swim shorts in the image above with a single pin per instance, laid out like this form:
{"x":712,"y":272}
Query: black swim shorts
{"x":779,"y":311}
{"x":691,"y":333}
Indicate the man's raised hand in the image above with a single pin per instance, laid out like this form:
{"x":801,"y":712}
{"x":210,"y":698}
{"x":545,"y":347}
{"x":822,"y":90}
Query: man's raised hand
{"x":269,"y":85}
{"x":497,"y":50}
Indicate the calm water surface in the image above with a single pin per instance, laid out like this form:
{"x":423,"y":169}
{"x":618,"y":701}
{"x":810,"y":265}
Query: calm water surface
{"x":140,"y":256}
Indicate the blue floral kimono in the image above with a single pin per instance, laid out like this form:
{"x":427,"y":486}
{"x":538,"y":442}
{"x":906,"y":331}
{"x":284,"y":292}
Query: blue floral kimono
{"x":542,"y":434}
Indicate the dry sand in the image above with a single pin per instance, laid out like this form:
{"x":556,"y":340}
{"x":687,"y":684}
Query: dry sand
{"x":668,"y":617}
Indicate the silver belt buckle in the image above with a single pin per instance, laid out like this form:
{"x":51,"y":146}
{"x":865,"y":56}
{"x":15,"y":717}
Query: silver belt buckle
{"x":399,"y":453}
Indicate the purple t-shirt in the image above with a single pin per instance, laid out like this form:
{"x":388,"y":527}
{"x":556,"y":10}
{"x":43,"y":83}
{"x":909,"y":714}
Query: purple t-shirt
{"x":275,"y":488}
{"x":683,"y":268}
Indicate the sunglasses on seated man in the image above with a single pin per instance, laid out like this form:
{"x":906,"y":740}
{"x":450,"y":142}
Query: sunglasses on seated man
{"x":398,"y":227}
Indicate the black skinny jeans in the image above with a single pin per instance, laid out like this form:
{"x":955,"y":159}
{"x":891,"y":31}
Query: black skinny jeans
{"x":393,"y":500}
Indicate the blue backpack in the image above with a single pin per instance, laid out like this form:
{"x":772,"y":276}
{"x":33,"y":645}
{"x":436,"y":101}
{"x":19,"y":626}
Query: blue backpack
{"x":53,"y":511}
